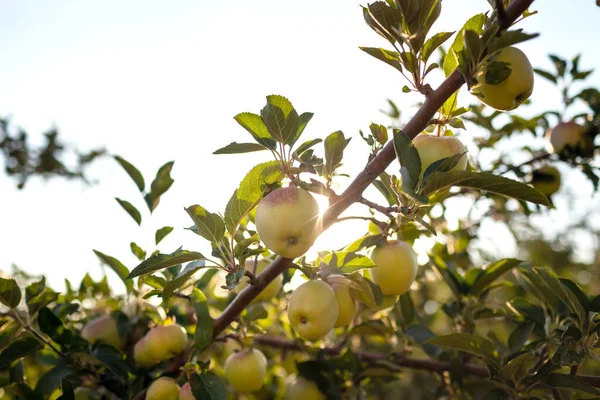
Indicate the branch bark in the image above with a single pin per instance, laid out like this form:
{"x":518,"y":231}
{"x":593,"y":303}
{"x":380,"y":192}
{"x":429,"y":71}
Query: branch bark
{"x":354,"y":192}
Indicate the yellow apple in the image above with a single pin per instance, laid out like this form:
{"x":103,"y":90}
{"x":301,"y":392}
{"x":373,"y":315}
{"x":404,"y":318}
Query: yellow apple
{"x":546,"y":180}
{"x":395,"y":267}
{"x":228,"y":347}
{"x":347,"y":308}
{"x":142,"y":356}
{"x":185,"y":393}
{"x":163,"y":389}
{"x":299,"y":388}
{"x":164,"y":342}
{"x":246,"y":370}
{"x":432,"y":148}
{"x":313,"y":310}
{"x":272,"y":288}
{"x":511,"y":92}
{"x":288,"y":221}
{"x":103,"y":329}
{"x":569,"y":134}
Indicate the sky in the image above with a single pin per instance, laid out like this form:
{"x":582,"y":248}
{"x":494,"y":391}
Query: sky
{"x":156,"y":81}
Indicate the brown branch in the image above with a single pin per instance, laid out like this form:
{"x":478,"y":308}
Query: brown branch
{"x":354,"y":192}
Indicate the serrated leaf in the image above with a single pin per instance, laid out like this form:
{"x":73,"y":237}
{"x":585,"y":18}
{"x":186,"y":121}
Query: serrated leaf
{"x":348,"y":262}
{"x":210,"y":226}
{"x":254,"y":124}
{"x":545,"y":74}
{"x":10,"y":293}
{"x":408,"y":156}
{"x":208,"y":386}
{"x":335,"y":144}
{"x":508,"y":38}
{"x":41,"y":300}
{"x":131,"y":210}
{"x":133,"y":172}
{"x":307,"y":145}
{"x":238,"y":148}
{"x":183,"y":277}
{"x":250,"y":192}
{"x":204,"y":324}
{"x":475,"y":24}
{"x":281,"y":119}
{"x":19,"y":349}
{"x":433,"y":43}
{"x":161,"y":261}
{"x":493,"y":272}
{"x":303,"y":120}
{"x":387,"y":56}
{"x":468,"y":343}
{"x":162,"y":233}
{"x":121,"y":270}
{"x":483,"y":181}
{"x":161,"y":183}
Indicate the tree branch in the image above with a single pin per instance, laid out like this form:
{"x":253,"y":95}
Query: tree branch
{"x":354,"y":191}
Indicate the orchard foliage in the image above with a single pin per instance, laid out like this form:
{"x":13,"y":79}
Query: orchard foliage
{"x":471,"y":325}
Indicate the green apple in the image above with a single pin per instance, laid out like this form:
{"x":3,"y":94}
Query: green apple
{"x":185,"y":393}
{"x":272,"y":288}
{"x":432,"y":148}
{"x":313,"y":309}
{"x":395,"y":267}
{"x":103,"y":329}
{"x":569,"y":135}
{"x":347,"y":307}
{"x":546,"y":180}
{"x":288,"y":221}
{"x":142,"y":356}
{"x":299,"y":388}
{"x":163,"y":389}
{"x":246,"y":370}
{"x":164,"y":342}
{"x":512,"y":91}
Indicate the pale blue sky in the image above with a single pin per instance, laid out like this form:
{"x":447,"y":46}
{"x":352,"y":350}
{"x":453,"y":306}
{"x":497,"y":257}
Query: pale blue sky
{"x":156,"y":81}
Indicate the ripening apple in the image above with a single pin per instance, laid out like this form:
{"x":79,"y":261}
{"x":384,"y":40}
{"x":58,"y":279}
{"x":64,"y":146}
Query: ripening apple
{"x":185,"y":393}
{"x":103,"y":329}
{"x":142,"y":356}
{"x":300,"y":388}
{"x":432,"y":148}
{"x":163,"y":389}
{"x":246,"y":370}
{"x":313,"y":309}
{"x":272,"y":288}
{"x":347,"y":308}
{"x":511,"y":92}
{"x":288,"y":221}
{"x":164,"y":342}
{"x":546,"y":180}
{"x":395,"y":267}
{"x":569,"y":134}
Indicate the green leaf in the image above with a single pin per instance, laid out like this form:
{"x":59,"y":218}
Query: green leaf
{"x":162,"y":233}
{"x":208,"y":386}
{"x":335,"y":144}
{"x":210,"y":226}
{"x":421,"y":334}
{"x":237,"y":148}
{"x":433,"y":43}
{"x":161,"y":261}
{"x":250,"y":192}
{"x":472,"y":44}
{"x":562,"y":292}
{"x":474,"y":24}
{"x":546,"y":75}
{"x":68,"y":392}
{"x":508,"y":38}
{"x":497,"y":72}
{"x":52,"y":379}
{"x":383,"y":19}
{"x":348,"y":262}
{"x":576,"y":290}
{"x":408,"y":156}
{"x":182,"y":277}
{"x":137,"y":251}
{"x":572,"y":383}
{"x":53,"y":327}
{"x":132,"y":172}
{"x":559,"y":64}
{"x":365,"y":291}
{"x":442,"y":165}
{"x":255,"y":125}
{"x":519,"y":336}
{"x":387,"y":56}
{"x":405,"y":89}
{"x":519,"y":366}
{"x":10,"y":293}
{"x":35,"y":288}
{"x":121,"y":270}
{"x":307,"y":145}
{"x":447,"y":272}
{"x":204,"y":324}
{"x":484,"y":181}
{"x":131,"y":210}
{"x":161,"y":183}
{"x":364,"y":243}
{"x":468,"y":343}
{"x":19,"y":349}
{"x":41,"y":300}
{"x":281,"y":119}
{"x":303,"y":120}
{"x":493,"y":272}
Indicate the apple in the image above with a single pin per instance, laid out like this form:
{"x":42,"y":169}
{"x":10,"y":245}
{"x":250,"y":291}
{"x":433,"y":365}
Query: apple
{"x":546,"y":180}
{"x":163,"y":389}
{"x":142,"y":356}
{"x":228,"y":347}
{"x":246,"y":370}
{"x":347,"y":307}
{"x":569,"y":134}
{"x":103,"y":329}
{"x":313,"y":309}
{"x":288,"y":221}
{"x":185,"y":393}
{"x":511,"y":92}
{"x":82,"y":393}
{"x":299,"y":388}
{"x":395,"y":267}
{"x":432,"y":148}
{"x":164,"y":342}
{"x":272,"y":288}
